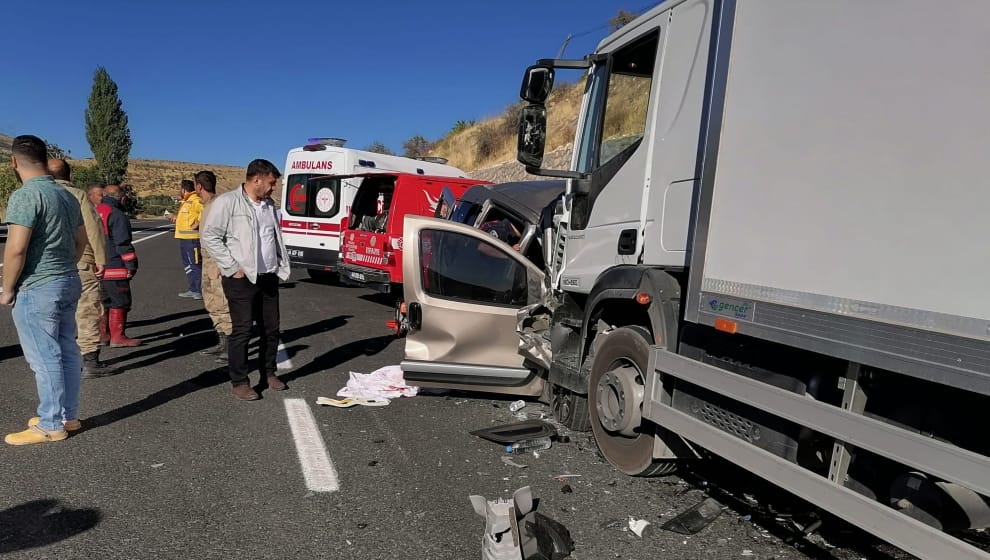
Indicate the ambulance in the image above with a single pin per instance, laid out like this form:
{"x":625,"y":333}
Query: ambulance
{"x":315,"y":198}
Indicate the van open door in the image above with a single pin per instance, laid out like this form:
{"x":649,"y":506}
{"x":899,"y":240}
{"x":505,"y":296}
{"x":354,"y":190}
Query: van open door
{"x":464,"y":289}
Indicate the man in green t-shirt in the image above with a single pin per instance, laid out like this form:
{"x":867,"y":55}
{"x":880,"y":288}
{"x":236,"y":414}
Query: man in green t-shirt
{"x":45,"y":240}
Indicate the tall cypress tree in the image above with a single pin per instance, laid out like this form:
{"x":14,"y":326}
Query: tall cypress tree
{"x":106,"y":128}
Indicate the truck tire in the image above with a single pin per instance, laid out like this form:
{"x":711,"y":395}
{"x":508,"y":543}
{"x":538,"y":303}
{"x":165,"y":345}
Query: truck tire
{"x":570,"y":409}
{"x":616,"y":390}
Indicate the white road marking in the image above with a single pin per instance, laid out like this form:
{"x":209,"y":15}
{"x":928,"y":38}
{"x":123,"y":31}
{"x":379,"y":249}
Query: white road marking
{"x":284,"y":361}
{"x":317,"y":468}
{"x":150,"y":237}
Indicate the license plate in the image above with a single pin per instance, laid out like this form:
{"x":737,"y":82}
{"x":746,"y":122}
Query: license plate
{"x":357,"y":276}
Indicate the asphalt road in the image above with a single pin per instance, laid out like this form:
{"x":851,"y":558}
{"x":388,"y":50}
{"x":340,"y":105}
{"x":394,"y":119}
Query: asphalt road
{"x":169,"y":465}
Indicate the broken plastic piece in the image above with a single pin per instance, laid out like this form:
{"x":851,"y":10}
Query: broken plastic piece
{"x":508,"y":461}
{"x":552,"y":538}
{"x":508,"y":434}
{"x":695,"y":518}
{"x":638,"y":526}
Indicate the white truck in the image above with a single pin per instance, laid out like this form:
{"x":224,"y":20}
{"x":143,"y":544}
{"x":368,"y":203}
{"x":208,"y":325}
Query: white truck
{"x":774,"y":246}
{"x":315,"y":200}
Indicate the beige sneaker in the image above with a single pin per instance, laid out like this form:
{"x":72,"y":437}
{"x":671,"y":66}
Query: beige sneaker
{"x":70,"y":425}
{"x":35,"y":434}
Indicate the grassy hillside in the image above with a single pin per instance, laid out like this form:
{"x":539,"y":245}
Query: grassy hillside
{"x":154,"y":176}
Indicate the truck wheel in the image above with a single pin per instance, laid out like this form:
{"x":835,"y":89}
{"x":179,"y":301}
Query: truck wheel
{"x":570,"y":409}
{"x":616,"y":393}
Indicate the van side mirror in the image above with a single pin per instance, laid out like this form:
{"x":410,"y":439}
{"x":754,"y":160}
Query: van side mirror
{"x":537,"y":84}
{"x":532,"y":135}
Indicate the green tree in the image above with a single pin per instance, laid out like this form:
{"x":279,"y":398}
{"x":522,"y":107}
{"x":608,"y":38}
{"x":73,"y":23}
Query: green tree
{"x":106,"y":128}
{"x":8,"y":183}
{"x":417,"y":146}
{"x":621,"y":18}
{"x":56,"y":152}
{"x":131,"y":202}
{"x":85,"y":175}
{"x":379,"y":148}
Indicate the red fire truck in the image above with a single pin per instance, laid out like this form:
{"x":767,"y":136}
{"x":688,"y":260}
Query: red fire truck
{"x":371,"y":244}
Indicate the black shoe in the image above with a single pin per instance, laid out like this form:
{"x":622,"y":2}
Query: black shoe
{"x":94,"y":368}
{"x":219,"y":349}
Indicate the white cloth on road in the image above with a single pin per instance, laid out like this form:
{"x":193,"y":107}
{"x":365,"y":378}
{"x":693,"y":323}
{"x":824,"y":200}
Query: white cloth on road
{"x":386,"y":382}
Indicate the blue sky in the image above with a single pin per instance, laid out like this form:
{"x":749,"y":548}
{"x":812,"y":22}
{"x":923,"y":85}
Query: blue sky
{"x":224,"y":81}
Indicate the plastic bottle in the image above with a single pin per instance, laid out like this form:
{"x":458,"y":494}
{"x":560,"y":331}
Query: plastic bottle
{"x":516,"y":406}
{"x":529,"y":445}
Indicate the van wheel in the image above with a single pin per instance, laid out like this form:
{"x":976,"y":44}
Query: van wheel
{"x":570,"y":408}
{"x":616,"y":393}
{"x":325,"y":276}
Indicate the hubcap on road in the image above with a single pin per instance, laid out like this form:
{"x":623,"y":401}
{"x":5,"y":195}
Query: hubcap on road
{"x":619,"y":398}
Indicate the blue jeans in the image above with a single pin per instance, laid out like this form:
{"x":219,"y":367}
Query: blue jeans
{"x":45,"y":318}
{"x":193,"y":263}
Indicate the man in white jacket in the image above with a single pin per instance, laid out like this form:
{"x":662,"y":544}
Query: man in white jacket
{"x":243,"y":235}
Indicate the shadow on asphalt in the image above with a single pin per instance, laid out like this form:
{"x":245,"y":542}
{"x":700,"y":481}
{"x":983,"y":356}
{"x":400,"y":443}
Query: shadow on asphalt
{"x":42,"y":522}
{"x":340,"y":355}
{"x":166,"y":318}
{"x":319,"y":327}
{"x":388,"y":300}
{"x":8,"y":352}
{"x":211,"y":378}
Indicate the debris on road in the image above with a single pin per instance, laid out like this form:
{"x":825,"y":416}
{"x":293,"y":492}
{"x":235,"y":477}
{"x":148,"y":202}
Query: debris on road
{"x":638,"y":526}
{"x":695,"y":518}
{"x":516,"y":406}
{"x":511,"y":463}
{"x":533,"y":445}
{"x":566,"y":489}
{"x":351,"y":401}
{"x":508,"y":434}
{"x":513,"y":529}
{"x":385,"y":383}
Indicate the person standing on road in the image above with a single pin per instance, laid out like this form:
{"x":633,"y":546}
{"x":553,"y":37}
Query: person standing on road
{"x":187,"y":222}
{"x":89,"y":312}
{"x":46,"y":238}
{"x":122,"y":265}
{"x":242,"y":233}
{"x":213,"y":298}
{"x":95,"y":193}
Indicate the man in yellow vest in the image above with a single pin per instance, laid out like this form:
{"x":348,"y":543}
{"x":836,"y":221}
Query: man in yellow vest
{"x":186,"y":223}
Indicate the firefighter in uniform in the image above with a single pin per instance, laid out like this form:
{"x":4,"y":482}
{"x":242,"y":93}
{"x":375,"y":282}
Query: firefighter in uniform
{"x":122,"y":265}
{"x":213,"y":298}
{"x":91,"y":265}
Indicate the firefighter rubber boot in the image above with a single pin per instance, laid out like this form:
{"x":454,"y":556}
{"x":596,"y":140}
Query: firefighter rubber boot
{"x":220,"y":348}
{"x":93,"y":367}
{"x":104,"y":328}
{"x":118,"y":320}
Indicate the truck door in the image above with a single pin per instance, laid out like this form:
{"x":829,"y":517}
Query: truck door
{"x":464,"y":289}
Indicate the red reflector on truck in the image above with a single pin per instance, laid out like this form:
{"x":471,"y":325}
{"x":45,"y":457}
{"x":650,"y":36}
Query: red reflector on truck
{"x":726,"y":325}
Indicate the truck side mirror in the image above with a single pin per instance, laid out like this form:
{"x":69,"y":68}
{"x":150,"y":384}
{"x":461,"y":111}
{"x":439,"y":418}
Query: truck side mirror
{"x":536,"y":85}
{"x":532,"y":135}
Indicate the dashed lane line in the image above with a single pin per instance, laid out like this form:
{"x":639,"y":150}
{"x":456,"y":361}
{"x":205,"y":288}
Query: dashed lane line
{"x":317,"y":468}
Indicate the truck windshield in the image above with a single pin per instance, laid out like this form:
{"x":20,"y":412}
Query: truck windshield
{"x":618,"y":103}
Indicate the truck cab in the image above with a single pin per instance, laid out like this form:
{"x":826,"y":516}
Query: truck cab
{"x":371,"y":254}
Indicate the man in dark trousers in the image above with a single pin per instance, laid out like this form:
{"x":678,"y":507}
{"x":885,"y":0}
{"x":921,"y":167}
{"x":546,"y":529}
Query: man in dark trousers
{"x":122,"y":265}
{"x":243,"y":235}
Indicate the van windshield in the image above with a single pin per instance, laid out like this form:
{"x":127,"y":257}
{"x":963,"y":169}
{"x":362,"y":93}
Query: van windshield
{"x":372,"y":203}
{"x":312,"y":195}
